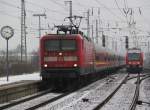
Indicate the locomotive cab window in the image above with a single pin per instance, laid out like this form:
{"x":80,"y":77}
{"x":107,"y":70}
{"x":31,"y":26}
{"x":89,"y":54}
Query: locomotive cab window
{"x":133,"y":56}
{"x":60,"y":45}
{"x":68,"y":44}
{"x":52,"y":45}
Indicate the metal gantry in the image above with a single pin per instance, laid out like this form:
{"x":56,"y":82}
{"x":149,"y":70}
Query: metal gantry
{"x":23,"y":32}
{"x":39,"y":16}
{"x":70,"y":12}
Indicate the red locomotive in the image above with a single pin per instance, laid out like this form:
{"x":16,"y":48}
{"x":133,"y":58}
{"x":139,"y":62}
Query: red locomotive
{"x":66,"y":55}
{"x":134,"y":60}
{"x":73,"y":55}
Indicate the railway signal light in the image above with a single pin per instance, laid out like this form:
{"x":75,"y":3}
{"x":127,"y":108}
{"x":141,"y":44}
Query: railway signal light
{"x":103,"y":40}
{"x":126,"y":42}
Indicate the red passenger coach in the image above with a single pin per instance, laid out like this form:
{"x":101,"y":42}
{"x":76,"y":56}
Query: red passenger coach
{"x":134,"y":60}
{"x":66,"y":56}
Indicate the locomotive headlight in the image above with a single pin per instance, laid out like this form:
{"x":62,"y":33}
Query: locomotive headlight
{"x":60,"y":54}
{"x":75,"y":65}
{"x":130,"y":62}
{"x":45,"y":65}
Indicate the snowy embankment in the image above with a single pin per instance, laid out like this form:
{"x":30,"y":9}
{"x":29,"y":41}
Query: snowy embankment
{"x":16,"y":78}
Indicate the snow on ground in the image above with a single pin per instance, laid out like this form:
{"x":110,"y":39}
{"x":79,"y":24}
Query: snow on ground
{"x":122,"y":99}
{"x":16,"y":78}
{"x":144,"y":95}
{"x":94,"y":95}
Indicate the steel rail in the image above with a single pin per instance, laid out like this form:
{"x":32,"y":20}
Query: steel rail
{"x":136,"y":95}
{"x":17,"y":102}
{"x":48,"y":101}
{"x":148,"y":76}
{"x":130,"y":78}
{"x":111,"y":95}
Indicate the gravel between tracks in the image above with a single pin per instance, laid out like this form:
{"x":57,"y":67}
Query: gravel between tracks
{"x":36,"y":101}
{"x":86,"y":99}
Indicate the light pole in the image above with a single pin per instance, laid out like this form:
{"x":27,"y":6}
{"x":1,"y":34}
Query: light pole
{"x":39,"y":15}
{"x":7,"y":32}
{"x":70,"y":12}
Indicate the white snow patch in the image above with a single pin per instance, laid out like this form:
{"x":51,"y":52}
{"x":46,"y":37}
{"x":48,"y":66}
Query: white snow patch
{"x":16,"y":78}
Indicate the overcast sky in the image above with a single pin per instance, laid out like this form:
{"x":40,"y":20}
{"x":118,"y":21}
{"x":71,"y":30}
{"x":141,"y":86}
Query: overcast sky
{"x":56,"y":11}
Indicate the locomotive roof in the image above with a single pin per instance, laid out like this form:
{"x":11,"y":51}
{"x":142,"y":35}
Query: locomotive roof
{"x":61,"y":36}
{"x":134,"y":50}
{"x":68,"y":36}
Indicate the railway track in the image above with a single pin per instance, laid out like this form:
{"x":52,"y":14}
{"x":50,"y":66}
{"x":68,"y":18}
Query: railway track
{"x":81,"y":99}
{"x":110,"y":95}
{"x":101,"y":97}
{"x":127,"y":102}
{"x":136,"y":95}
{"x":25,"y":99}
{"x":35,"y":101}
{"x":47,"y":97}
{"x":48,"y":101}
{"x":144,"y":96}
{"x":95,"y":96}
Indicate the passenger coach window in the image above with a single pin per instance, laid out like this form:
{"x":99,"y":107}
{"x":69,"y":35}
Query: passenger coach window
{"x":52,"y":45}
{"x":68,"y":44}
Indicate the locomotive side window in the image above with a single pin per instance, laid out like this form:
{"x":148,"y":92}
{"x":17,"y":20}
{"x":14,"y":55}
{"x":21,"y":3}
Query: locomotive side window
{"x":68,"y":44}
{"x":52,"y":45}
{"x":133,"y":56}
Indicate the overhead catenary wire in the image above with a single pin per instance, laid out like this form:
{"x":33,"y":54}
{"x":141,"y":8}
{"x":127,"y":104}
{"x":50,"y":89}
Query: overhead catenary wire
{"x":119,"y":8}
{"x":145,"y":20}
{"x":14,"y":6}
{"x":17,"y":7}
{"x":5,"y":13}
{"x":109,"y":10}
{"x":57,"y":3}
{"x":33,"y":4}
{"x":9,"y":4}
{"x":45,"y":8}
{"x":125,"y":15}
{"x":126,"y":4}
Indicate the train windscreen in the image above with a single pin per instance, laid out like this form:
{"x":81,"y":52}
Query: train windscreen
{"x":68,"y":45}
{"x":133,"y":56}
{"x":60,"y":45}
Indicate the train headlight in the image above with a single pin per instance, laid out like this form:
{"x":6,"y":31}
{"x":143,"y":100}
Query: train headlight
{"x":60,"y":54}
{"x":75,"y":65}
{"x":130,"y":62}
{"x":45,"y":65}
